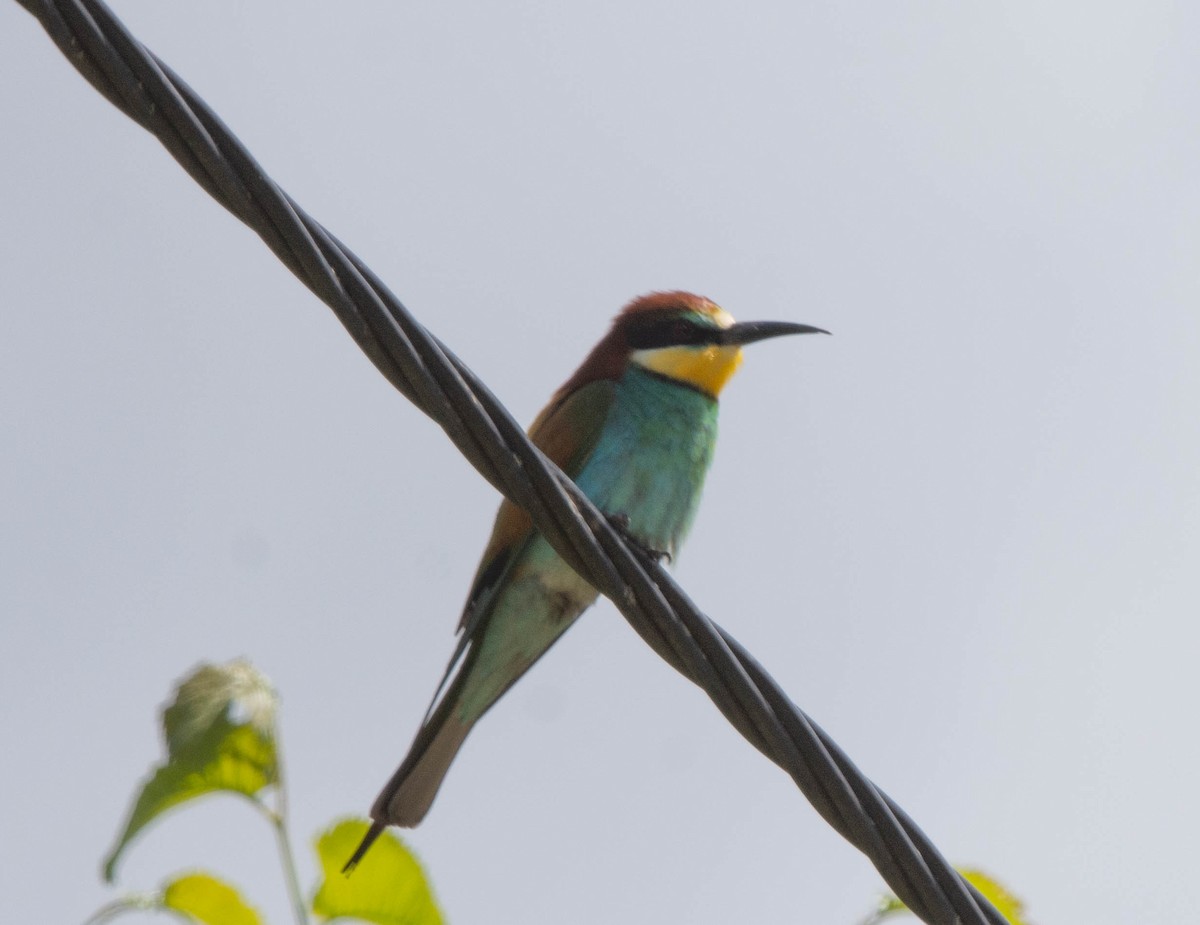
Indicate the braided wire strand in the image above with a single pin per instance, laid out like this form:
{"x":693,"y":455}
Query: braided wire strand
{"x":441,"y":386}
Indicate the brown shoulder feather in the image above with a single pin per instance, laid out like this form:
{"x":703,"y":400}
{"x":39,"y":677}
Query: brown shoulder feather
{"x":567,"y":432}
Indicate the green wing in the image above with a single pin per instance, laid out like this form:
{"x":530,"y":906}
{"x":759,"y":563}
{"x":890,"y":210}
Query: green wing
{"x":567,"y":432}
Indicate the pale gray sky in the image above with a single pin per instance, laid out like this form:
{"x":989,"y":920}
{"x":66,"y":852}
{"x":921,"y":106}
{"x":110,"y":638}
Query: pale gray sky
{"x":963,"y":532}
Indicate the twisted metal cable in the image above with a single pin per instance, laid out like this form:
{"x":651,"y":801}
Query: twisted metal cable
{"x":441,"y":386}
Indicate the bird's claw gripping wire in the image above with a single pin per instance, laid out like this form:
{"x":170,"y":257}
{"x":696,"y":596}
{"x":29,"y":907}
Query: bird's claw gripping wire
{"x":620,"y":523}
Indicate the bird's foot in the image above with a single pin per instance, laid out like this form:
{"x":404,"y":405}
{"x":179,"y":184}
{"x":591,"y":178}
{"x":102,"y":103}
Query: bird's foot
{"x":620,"y":523}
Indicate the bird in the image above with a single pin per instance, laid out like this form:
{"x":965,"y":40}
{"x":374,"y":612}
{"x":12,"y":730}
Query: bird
{"x":635,"y":427}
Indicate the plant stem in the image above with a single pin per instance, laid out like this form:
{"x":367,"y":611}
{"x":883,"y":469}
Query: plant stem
{"x":278,"y":819}
{"x":299,"y":906}
{"x":133,"y":903}
{"x":111,"y":911}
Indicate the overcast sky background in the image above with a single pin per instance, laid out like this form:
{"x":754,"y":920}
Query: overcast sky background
{"x":963,"y":532}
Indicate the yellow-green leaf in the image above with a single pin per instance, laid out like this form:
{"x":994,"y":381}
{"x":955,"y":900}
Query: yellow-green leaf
{"x":1008,"y":905}
{"x":388,"y":886}
{"x":1005,"y":902}
{"x":220,"y":736}
{"x":209,"y":901}
{"x":237,"y":691}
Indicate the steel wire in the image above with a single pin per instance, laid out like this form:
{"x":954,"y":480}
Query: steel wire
{"x":441,"y":386}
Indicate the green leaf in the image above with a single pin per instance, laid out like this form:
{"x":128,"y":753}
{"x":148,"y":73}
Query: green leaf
{"x":1008,"y":905}
{"x":209,"y":901}
{"x":1005,"y":902}
{"x":388,"y":887}
{"x":890,"y":904}
{"x":237,"y":691}
{"x":220,"y":736}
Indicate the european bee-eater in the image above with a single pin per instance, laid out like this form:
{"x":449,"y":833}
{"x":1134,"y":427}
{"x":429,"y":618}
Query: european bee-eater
{"x":635,"y":428}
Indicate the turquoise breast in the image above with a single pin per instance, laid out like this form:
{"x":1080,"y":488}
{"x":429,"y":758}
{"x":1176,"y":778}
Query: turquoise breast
{"x":650,"y":462}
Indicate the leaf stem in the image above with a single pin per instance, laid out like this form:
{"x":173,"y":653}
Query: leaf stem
{"x":136,"y":902}
{"x":287,"y":858}
{"x":111,"y":910}
{"x":289,"y":868}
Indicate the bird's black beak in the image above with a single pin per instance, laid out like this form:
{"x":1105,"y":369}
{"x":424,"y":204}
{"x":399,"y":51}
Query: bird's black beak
{"x":747,"y":332}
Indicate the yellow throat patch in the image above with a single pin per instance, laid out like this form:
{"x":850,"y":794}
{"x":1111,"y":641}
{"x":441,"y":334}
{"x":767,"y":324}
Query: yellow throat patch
{"x":706,"y":368}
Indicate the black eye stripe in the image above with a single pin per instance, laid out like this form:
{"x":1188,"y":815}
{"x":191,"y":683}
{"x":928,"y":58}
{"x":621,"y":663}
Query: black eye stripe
{"x":672,"y":331}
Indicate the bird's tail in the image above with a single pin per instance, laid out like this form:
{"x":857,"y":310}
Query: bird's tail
{"x":408,"y":795}
{"x":406,"y":798}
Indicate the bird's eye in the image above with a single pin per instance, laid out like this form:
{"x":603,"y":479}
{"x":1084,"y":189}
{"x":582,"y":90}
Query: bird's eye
{"x":682,"y":333}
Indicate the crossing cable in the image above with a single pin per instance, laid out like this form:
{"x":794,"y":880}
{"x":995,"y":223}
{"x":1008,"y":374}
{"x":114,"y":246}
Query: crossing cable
{"x":440,"y":385}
